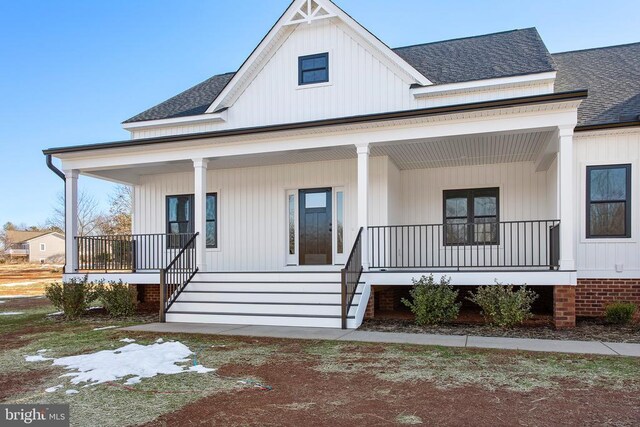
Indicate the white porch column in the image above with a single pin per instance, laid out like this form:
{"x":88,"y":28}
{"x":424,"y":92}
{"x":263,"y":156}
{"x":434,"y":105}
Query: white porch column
{"x":71,"y":220}
{"x":200,"y":211}
{"x":566,"y":199}
{"x":363,"y":200}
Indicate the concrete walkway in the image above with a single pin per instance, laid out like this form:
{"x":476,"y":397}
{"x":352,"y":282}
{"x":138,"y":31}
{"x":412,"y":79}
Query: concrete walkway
{"x":551,"y":346}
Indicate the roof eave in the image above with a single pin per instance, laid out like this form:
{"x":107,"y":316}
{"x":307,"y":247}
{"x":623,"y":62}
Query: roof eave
{"x":396,"y":115}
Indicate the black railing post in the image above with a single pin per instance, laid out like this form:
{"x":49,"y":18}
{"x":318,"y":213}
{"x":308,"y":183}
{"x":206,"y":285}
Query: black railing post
{"x":163,"y":298}
{"x":343,"y":288}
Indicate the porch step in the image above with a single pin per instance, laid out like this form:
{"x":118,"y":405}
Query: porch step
{"x":264,"y":297}
{"x":309,"y":298}
{"x":244,"y":319}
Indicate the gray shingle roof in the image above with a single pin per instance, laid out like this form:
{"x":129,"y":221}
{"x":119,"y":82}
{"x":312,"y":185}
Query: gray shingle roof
{"x":191,"y":102}
{"x":612,"y":76}
{"x":505,"y":54}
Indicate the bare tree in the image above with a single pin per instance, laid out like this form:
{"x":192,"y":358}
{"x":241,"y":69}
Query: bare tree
{"x":90,"y":219}
{"x":119,"y":218}
{"x":4,"y":236}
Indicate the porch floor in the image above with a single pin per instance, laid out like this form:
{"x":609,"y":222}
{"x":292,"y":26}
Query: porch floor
{"x":332,"y":334}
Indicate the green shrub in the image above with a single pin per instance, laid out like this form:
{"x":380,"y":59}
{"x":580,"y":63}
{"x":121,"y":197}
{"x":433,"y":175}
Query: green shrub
{"x":620,"y":313}
{"x":433,"y":303}
{"x":504,"y":306}
{"x":118,"y":299}
{"x":72,"y":297}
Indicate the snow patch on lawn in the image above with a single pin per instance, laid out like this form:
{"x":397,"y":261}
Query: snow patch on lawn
{"x":37,"y":358}
{"x":2,"y":302}
{"x":54,"y":388}
{"x":133,"y":360}
{"x":104,"y":329}
{"x":72,"y":391}
{"x":11,"y":313}
{"x":57,"y":313}
{"x":127,"y":340}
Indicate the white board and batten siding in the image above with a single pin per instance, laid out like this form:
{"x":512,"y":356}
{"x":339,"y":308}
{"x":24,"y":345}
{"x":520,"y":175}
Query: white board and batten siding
{"x":360,"y":83}
{"x":598,"y":258}
{"x":252,"y":210}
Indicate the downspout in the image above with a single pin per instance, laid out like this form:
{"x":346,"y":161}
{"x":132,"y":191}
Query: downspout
{"x":58,"y":172}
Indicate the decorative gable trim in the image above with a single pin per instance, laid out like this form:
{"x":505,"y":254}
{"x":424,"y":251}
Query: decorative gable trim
{"x":306,"y":12}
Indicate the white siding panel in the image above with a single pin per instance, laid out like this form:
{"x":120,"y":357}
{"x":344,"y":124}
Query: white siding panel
{"x":252,"y":206}
{"x":523,"y":191}
{"x":598,"y":257}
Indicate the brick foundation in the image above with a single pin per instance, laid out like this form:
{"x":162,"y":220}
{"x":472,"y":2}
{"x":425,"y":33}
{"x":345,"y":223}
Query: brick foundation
{"x":564,"y":307}
{"x":593,"y":295}
{"x":149,"y":293}
{"x":370,"y":312}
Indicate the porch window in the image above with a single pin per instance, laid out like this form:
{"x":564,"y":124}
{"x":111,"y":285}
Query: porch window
{"x":609,"y":201}
{"x":180,"y":220}
{"x":471,"y":216}
{"x":313,"y":69}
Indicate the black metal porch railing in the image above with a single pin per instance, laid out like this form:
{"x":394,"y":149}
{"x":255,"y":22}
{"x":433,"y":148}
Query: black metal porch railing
{"x":177,"y":275}
{"x":490,"y":245}
{"x":133,"y":252}
{"x":350,"y":275}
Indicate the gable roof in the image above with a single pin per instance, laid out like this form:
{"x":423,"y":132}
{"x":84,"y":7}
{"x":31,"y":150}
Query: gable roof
{"x":15,"y":236}
{"x":503,"y":54}
{"x":612,"y":76}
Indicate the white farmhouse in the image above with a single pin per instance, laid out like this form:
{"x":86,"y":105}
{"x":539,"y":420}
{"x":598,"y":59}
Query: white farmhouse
{"x":330,"y":169}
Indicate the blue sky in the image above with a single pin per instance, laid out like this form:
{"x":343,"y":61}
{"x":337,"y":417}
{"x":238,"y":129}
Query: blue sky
{"x":72,"y":71}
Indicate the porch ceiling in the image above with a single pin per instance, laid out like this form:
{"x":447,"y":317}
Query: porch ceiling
{"x":470,"y":150}
{"x":466,"y":151}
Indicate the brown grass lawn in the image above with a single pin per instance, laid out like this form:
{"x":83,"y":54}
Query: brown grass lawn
{"x":314,"y":382}
{"x":27,"y":279}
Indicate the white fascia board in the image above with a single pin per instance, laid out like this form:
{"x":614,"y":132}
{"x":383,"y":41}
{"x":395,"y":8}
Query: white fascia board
{"x":376,"y":43}
{"x":511,"y":119}
{"x":502,"y":82}
{"x":263,"y":47}
{"x":189,"y":120}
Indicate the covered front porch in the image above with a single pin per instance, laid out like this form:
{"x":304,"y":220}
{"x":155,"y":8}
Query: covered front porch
{"x":481,"y":198}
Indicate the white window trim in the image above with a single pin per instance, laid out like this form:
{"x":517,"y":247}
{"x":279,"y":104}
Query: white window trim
{"x":339,"y":259}
{"x":43,"y":247}
{"x":218,"y":247}
{"x":292,"y":259}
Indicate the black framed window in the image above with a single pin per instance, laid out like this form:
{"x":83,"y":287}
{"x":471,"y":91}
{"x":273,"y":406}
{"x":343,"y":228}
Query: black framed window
{"x":180,"y":219}
{"x":609,"y":201}
{"x":471,"y":216}
{"x":313,"y":69}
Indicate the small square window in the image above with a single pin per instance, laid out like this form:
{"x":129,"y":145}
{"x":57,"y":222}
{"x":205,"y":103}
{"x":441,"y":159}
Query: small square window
{"x":313,"y":69}
{"x":43,"y":247}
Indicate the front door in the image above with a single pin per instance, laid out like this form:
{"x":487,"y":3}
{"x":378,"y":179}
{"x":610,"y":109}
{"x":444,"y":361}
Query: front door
{"x":315,"y":226}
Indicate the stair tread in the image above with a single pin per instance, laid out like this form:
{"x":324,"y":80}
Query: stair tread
{"x":208,"y":313}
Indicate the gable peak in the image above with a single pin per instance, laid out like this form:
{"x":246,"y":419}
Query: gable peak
{"x":309,"y":11}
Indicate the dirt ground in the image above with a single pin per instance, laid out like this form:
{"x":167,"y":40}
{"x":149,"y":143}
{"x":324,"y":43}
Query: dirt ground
{"x":304,"y":395}
{"x":540,"y":326}
{"x":280,"y":382}
{"x":27,"y":279}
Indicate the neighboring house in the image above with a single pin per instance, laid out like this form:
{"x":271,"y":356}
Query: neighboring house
{"x":36,"y":246}
{"x":484,"y":159}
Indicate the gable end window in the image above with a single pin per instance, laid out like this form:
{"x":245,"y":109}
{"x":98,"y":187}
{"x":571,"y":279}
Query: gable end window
{"x":609,"y":201}
{"x":313,"y":69}
{"x":180,"y":220}
{"x":471,"y":217}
